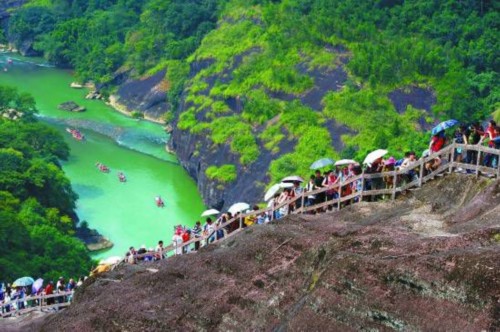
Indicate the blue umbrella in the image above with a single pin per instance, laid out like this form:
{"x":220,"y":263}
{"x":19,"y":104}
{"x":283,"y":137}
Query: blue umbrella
{"x":443,"y":126}
{"x":322,"y":163}
{"x":24,"y":281}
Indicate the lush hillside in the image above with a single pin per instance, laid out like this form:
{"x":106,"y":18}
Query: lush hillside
{"x":36,"y":199}
{"x":277,"y":84}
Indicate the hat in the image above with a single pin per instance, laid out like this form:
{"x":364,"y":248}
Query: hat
{"x":390,"y":161}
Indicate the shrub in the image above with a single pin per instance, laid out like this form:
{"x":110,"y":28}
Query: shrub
{"x":225,"y":173}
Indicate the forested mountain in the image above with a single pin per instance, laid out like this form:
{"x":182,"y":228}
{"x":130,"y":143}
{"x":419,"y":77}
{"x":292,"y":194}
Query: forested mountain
{"x":258,"y":89}
{"x":36,"y":199}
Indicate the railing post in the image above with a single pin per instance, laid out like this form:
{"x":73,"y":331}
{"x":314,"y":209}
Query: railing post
{"x":421,"y":175}
{"x":241,"y":221}
{"x":302,"y":202}
{"x":498,"y":165}
{"x":478,"y":162}
{"x":362,"y":186}
{"x":452,"y":159}
{"x":340,"y":195}
{"x":394,"y":185}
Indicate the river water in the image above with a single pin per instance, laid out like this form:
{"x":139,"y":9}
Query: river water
{"x":123,"y":212}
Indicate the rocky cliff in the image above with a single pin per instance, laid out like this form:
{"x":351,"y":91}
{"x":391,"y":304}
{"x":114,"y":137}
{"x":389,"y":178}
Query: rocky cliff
{"x":428,"y":261}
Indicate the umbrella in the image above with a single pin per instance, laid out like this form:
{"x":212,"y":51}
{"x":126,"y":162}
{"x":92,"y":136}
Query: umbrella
{"x":321,"y":163}
{"x":444,"y":125}
{"x":238,"y":207}
{"x":345,"y":162}
{"x":211,"y":212}
{"x":111,"y":260}
{"x":22,"y":282}
{"x":37,"y":285}
{"x":275,"y":188}
{"x":374,"y":155}
{"x":293,"y":178}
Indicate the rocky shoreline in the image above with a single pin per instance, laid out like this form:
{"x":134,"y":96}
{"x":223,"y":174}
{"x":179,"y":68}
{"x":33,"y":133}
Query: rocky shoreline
{"x":113,"y":101}
{"x":92,"y":239}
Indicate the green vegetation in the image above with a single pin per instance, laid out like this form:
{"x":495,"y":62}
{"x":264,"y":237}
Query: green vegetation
{"x":36,"y":199}
{"x":224,"y":174}
{"x":243,"y":67}
{"x":98,"y":37}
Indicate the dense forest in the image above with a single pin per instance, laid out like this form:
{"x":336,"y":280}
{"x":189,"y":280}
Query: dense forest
{"x":264,"y":56}
{"x":36,"y":199}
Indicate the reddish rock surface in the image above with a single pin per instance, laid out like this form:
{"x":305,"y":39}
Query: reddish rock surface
{"x":429,"y":261}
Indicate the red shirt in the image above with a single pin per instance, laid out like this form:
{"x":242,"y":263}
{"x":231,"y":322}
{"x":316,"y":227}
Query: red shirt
{"x":437,"y":143}
{"x":49,"y":289}
{"x":185,"y":237}
{"x":490,"y":133}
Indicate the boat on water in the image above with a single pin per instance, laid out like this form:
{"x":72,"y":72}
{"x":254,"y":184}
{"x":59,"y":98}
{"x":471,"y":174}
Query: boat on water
{"x":76,"y":134}
{"x":122,"y":177}
{"x":103,"y":168}
{"x":159,"y":201}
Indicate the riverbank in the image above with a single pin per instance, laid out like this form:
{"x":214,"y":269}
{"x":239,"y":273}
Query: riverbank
{"x":124,"y":213}
{"x":113,"y":102}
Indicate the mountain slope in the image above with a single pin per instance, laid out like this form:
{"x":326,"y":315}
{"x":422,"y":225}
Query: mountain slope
{"x":418,"y":263}
{"x":256,"y":90}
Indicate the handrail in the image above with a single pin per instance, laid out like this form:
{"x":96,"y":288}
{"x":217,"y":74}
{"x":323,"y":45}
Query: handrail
{"x":67,"y":295}
{"x":447,"y":155}
{"x":448,"y":163}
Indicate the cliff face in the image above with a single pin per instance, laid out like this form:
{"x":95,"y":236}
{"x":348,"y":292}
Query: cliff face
{"x":197,"y":152}
{"x":146,"y":95}
{"x":428,"y":261}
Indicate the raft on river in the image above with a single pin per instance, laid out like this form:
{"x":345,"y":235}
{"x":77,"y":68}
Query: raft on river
{"x":76,"y":134}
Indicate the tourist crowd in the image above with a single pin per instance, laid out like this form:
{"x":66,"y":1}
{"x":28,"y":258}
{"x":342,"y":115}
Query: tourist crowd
{"x":14,"y":298}
{"x":334,"y":180}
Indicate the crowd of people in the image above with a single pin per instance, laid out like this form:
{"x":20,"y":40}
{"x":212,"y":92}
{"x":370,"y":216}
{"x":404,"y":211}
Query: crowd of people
{"x":333,"y":180}
{"x":14,"y":298}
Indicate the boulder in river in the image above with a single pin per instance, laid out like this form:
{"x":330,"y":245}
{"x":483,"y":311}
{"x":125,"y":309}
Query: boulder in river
{"x":71,"y":106}
{"x":92,"y":239}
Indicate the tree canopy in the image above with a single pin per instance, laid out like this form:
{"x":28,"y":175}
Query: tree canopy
{"x":36,"y":199}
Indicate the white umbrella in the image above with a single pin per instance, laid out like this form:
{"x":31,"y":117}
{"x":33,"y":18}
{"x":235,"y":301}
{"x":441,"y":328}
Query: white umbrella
{"x":345,"y":162}
{"x":374,"y":155}
{"x":211,"y":212}
{"x":275,"y":188}
{"x":238,"y":207}
{"x":293,"y":178}
{"x":321,"y":163}
{"x":111,"y":260}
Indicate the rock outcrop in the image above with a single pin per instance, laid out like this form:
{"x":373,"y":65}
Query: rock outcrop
{"x":71,"y":106}
{"x":196,"y":152}
{"x":92,"y":239}
{"x":147,"y":95}
{"x":428,"y":261}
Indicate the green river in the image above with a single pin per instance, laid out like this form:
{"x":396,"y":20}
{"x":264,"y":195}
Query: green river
{"x":123,"y":212}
